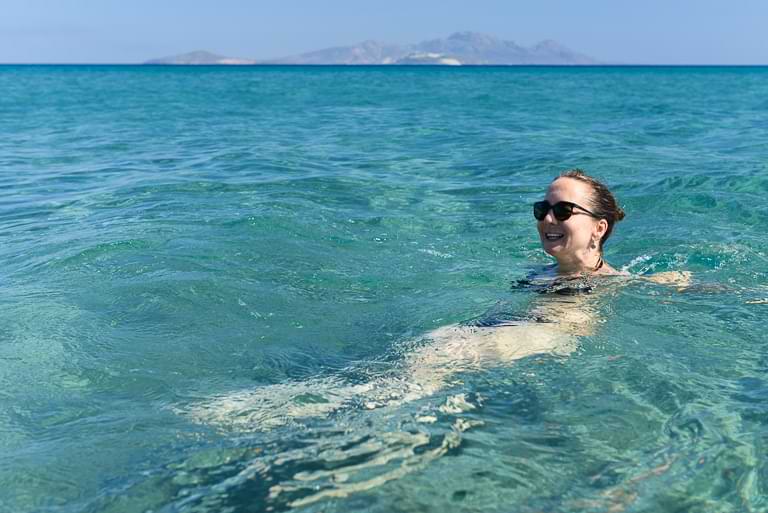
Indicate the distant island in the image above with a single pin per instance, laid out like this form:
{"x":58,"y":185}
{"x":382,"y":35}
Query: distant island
{"x":471,"y":48}
{"x":199,"y":57}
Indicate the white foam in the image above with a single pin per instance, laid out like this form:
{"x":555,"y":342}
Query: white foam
{"x":436,"y":253}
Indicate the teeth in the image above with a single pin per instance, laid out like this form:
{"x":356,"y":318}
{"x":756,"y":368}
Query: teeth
{"x":553,"y":236}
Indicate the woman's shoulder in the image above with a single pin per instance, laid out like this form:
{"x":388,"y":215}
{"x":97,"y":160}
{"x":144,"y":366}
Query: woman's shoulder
{"x":681,"y":280}
{"x":549,"y":273}
{"x":608,"y":270}
{"x":546,"y":280}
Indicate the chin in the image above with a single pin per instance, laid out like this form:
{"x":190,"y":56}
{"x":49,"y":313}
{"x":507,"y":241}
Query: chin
{"x":552,"y":250}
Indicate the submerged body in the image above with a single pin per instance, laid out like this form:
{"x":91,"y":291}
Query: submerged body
{"x":561,"y":311}
{"x":574,"y":221}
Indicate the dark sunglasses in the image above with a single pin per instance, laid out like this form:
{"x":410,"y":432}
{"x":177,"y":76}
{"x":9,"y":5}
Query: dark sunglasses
{"x":562,"y":210}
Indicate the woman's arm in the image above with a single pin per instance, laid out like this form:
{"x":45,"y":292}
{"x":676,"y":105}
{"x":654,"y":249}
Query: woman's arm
{"x":679,"y":279}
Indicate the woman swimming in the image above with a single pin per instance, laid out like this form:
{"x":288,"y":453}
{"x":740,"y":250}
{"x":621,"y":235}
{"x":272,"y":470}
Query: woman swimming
{"x":361,"y":452}
{"x":574,"y":221}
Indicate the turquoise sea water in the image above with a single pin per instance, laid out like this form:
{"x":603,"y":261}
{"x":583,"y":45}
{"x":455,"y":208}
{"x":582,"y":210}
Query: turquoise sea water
{"x":173,"y":238}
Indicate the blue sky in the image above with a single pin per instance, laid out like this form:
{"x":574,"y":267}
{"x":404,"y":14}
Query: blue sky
{"x":653,"y":31}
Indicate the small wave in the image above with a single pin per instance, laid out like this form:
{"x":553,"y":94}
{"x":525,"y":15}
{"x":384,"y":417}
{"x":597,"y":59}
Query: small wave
{"x":436,"y":253}
{"x":338,"y":460}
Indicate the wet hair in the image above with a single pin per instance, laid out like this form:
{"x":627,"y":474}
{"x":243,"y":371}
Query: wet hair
{"x":604,"y":204}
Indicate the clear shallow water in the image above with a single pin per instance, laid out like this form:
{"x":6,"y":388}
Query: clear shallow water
{"x":175,"y":236}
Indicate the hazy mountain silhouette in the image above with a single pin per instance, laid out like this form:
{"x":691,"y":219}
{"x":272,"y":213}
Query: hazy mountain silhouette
{"x":459,"y":48}
{"x":199,"y":57}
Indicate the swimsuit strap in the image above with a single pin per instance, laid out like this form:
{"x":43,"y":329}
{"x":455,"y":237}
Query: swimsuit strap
{"x":600,"y":263}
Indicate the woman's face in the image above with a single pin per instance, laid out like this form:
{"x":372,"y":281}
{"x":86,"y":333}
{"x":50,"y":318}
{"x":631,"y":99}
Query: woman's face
{"x":571,"y":239}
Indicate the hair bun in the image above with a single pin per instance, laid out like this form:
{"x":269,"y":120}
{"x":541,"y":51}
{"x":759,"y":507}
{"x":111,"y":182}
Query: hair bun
{"x":619,"y":213}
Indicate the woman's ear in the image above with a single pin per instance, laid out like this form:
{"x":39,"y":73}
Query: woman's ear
{"x":601,"y":228}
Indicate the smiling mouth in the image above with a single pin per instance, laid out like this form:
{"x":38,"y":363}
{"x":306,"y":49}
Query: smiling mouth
{"x":553,"y":236}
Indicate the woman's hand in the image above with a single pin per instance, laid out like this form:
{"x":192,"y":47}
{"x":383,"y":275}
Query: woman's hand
{"x":680,"y":279}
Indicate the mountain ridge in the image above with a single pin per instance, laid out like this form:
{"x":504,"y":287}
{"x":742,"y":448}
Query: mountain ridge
{"x":464,"y":47}
{"x":201,"y":57}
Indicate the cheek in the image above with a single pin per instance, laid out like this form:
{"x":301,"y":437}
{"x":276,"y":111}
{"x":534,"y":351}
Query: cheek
{"x":582,"y":236}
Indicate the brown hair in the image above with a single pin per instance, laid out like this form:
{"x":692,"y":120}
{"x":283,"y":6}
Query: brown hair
{"x":603,"y":203}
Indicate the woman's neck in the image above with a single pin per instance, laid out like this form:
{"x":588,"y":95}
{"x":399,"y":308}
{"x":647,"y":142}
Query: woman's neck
{"x":588,"y":263}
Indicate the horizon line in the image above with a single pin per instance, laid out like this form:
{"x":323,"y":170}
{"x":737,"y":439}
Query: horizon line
{"x":277,"y":65}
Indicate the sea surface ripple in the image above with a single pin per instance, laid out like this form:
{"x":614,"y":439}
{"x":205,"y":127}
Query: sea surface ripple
{"x":274,"y":239}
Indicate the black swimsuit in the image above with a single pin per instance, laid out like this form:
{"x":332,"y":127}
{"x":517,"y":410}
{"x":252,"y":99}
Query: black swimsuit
{"x":560,"y":286}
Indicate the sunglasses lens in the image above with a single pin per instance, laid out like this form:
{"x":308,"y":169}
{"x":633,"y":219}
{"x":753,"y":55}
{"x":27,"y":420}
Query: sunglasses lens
{"x":562,"y":211}
{"x":540,"y":209}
